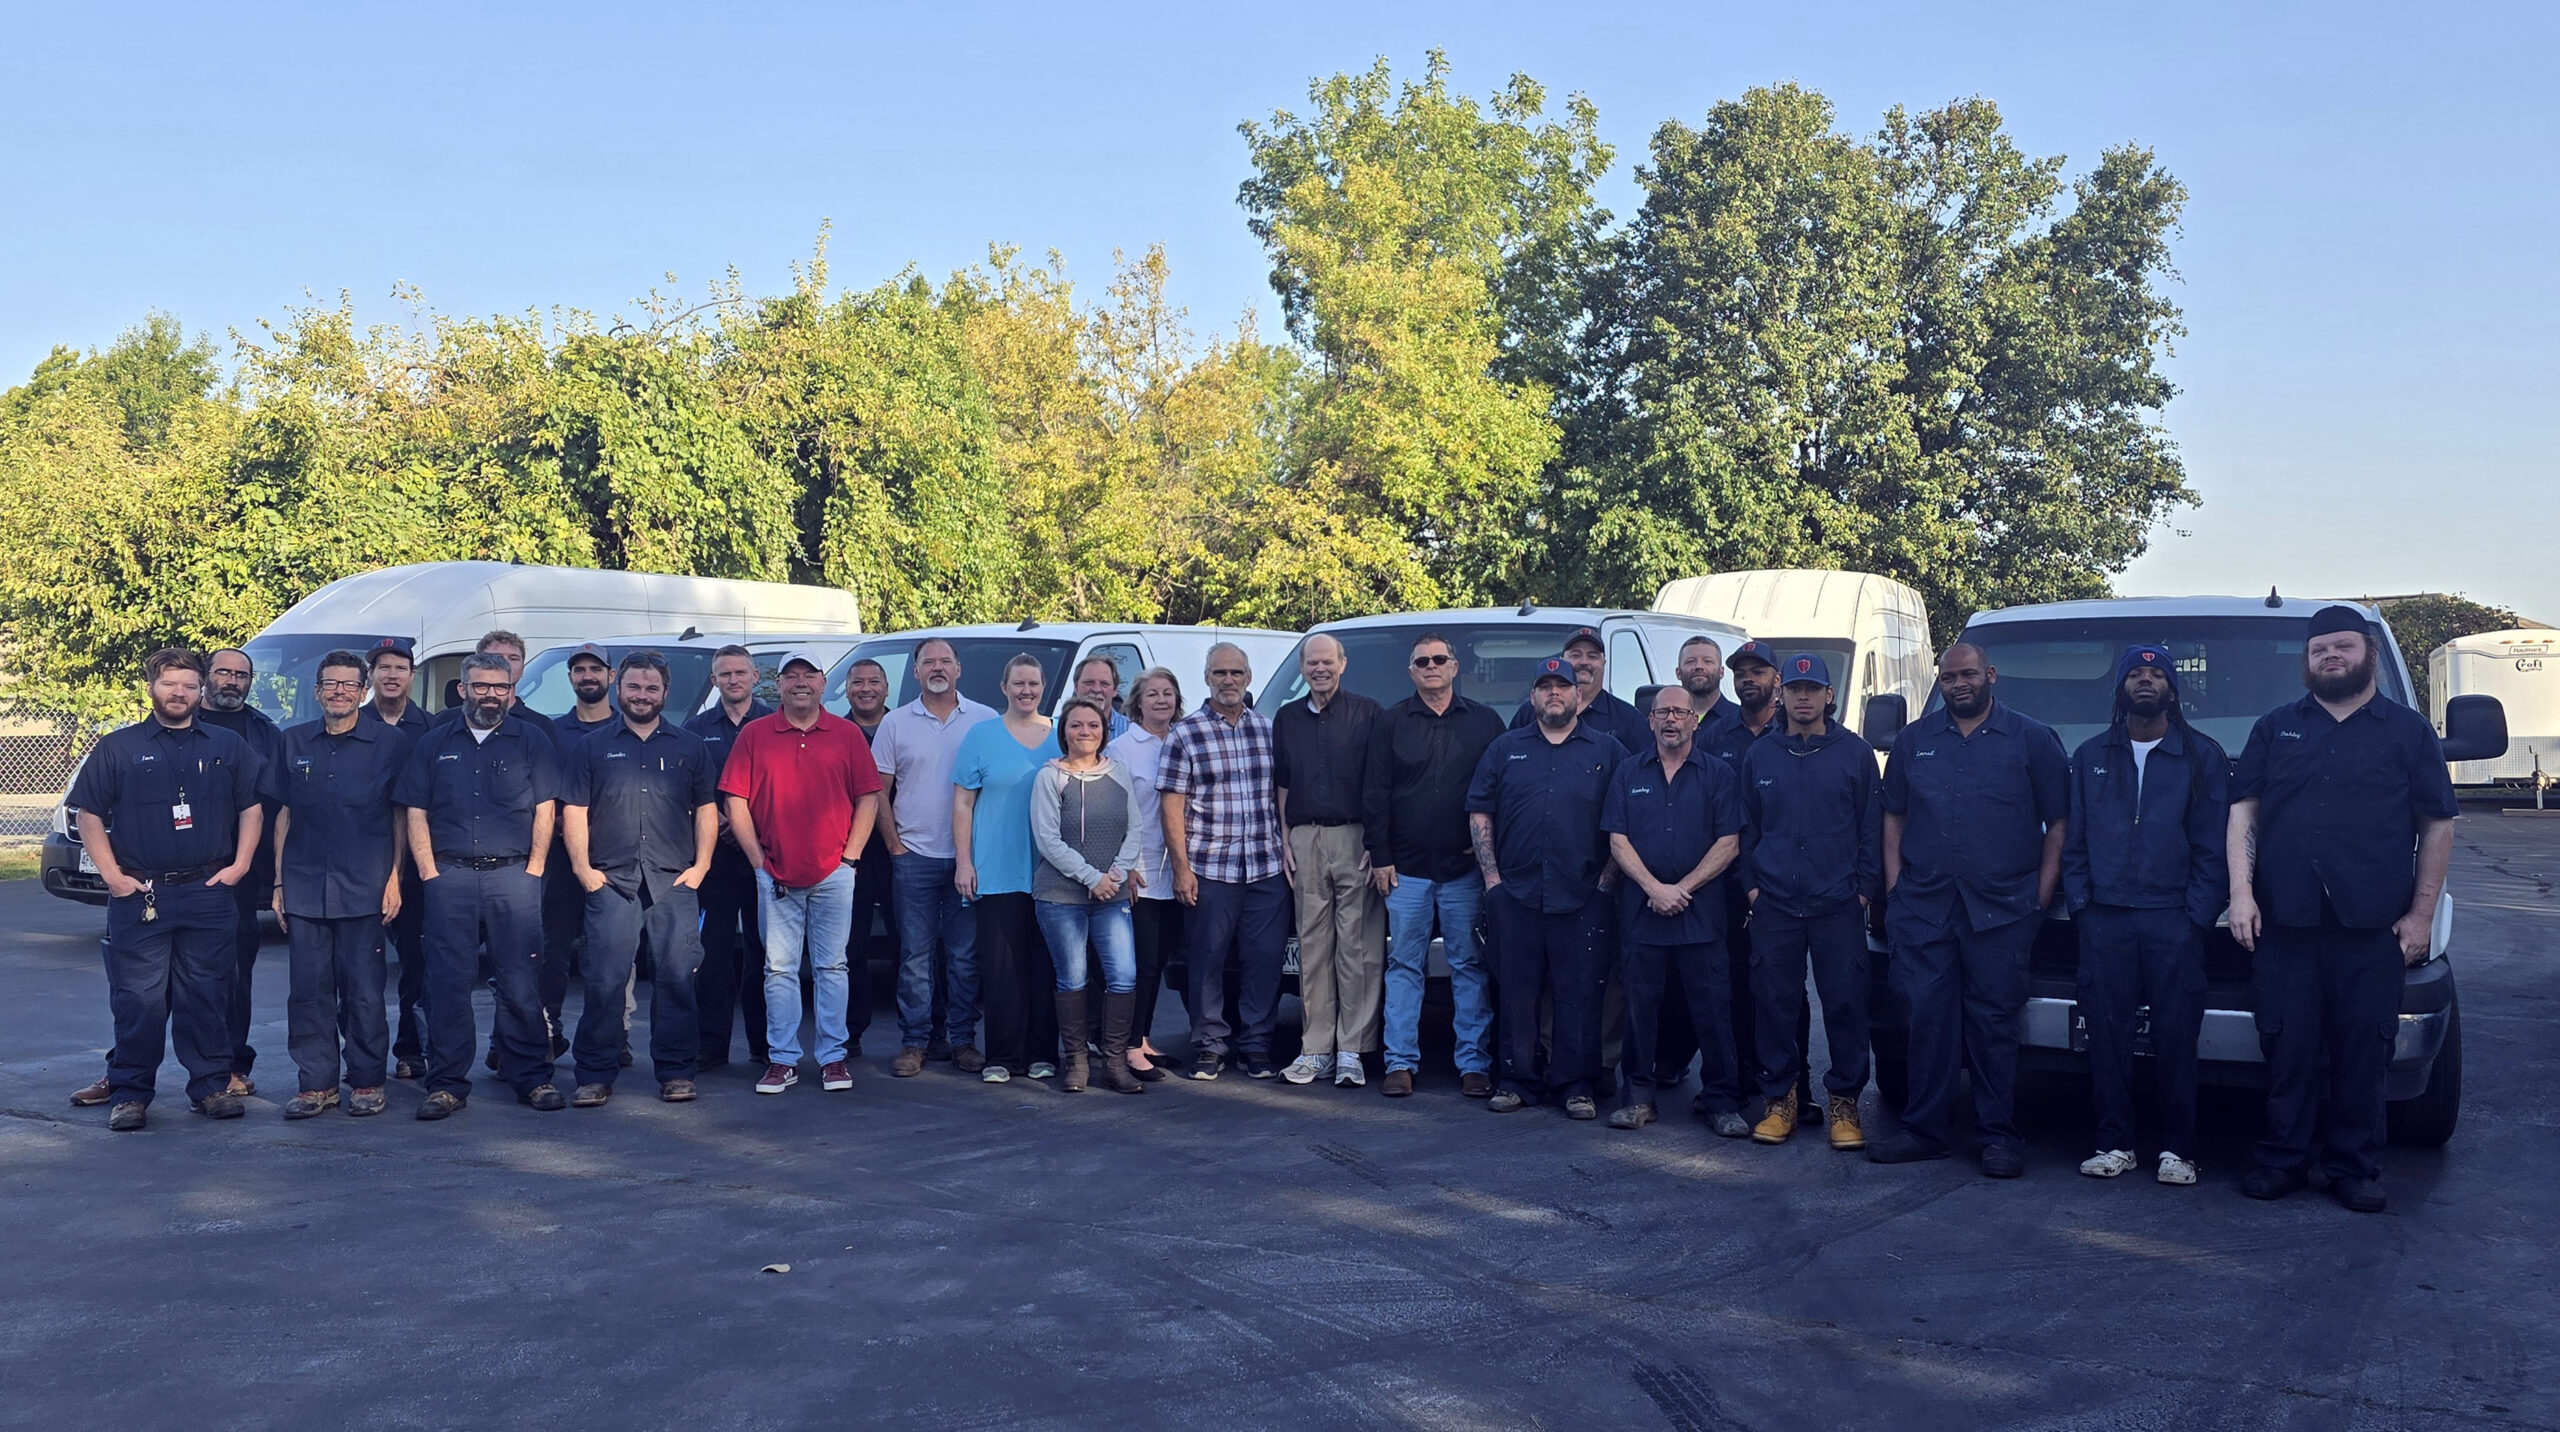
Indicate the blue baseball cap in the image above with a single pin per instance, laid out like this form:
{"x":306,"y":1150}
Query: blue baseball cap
{"x":1755,"y":650}
{"x":1557,"y":667}
{"x":1805,"y":668}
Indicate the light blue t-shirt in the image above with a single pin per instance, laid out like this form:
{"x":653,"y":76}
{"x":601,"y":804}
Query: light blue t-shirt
{"x":1000,"y":769}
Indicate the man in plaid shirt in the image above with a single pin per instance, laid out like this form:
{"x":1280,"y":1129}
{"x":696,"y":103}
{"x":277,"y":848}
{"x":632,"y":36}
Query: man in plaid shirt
{"x":1222,"y":832}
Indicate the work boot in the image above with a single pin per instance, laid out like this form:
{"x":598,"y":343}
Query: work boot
{"x":363,"y":1102}
{"x":1777,"y":1121}
{"x":591,"y":1096}
{"x":128,"y":1116}
{"x":1633,"y":1116}
{"x":310,"y":1102}
{"x":1845,"y":1133}
{"x":908,"y":1064}
{"x":967,"y":1059}
{"x":1071,"y":1060}
{"x":1119,"y":1011}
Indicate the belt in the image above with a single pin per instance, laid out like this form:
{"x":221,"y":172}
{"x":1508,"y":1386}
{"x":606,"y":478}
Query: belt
{"x":480,"y":862}
{"x":188,"y":876}
{"x":1326,"y":824}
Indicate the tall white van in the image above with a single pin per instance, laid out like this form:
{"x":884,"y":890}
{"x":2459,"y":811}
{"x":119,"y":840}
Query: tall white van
{"x":1872,"y":631}
{"x":1061,"y":647}
{"x":2522,"y":669}
{"x":442,"y":608}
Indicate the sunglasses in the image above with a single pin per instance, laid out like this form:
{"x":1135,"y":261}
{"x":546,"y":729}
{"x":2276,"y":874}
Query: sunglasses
{"x":1434,"y":660}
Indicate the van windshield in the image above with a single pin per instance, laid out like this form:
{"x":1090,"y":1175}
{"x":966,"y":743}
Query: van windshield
{"x":2231,"y":670}
{"x":1494,"y":661}
{"x":982,"y":664}
{"x":283,"y":689}
{"x":545,"y":684}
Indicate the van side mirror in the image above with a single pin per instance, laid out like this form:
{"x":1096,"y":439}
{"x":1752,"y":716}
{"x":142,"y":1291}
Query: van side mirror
{"x":1644,"y":700}
{"x":1885,"y":717}
{"x":2475,"y":729}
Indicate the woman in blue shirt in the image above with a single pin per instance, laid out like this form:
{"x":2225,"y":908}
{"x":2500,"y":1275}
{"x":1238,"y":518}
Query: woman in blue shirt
{"x":991,"y":836}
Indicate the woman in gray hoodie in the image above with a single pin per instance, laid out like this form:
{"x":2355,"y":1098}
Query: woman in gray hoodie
{"x":1086,"y":827}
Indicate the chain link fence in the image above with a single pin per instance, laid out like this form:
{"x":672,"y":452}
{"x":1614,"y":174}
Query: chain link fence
{"x":37,"y":756}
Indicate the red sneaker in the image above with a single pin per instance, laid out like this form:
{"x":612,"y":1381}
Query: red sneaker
{"x":835,"y":1077}
{"x":777,"y":1077}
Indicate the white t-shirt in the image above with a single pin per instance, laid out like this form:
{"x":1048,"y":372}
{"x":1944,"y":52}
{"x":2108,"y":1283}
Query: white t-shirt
{"x":2141,"y":755}
{"x":1140,"y":752}
{"x":479,"y":735}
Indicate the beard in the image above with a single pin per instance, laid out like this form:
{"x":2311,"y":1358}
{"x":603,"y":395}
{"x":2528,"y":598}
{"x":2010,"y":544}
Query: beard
{"x":589,"y":693}
{"x":2346,"y":683}
{"x":1973,"y":705}
{"x":641,"y":709}
{"x":220,"y":700}
{"x":485,"y":714}
{"x":2146,"y":706}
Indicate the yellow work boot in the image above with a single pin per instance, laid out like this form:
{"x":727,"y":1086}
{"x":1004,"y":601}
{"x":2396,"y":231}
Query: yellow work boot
{"x":1777,"y":1122}
{"x":1845,"y":1133}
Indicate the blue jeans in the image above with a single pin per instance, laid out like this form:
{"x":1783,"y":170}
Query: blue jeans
{"x":930,"y":911}
{"x":815,"y":918}
{"x":1410,"y":907}
{"x":1104,"y":926}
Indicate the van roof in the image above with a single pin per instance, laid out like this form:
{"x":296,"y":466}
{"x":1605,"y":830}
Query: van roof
{"x":2094,"y":608}
{"x":420,"y":596}
{"x":1067,"y":631}
{"x":1788,"y":599}
{"x":1544,"y":616}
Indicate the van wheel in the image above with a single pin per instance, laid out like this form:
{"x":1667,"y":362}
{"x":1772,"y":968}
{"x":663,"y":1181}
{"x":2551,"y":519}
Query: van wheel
{"x":2427,"y":1120}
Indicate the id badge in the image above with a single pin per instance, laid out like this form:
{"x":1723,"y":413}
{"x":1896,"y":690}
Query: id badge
{"x":182,"y":816}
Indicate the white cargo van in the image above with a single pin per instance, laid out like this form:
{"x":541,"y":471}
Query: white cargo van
{"x":1872,"y":631}
{"x":546,"y":689}
{"x":1061,"y":647}
{"x":2522,"y":669}
{"x":442,"y":608}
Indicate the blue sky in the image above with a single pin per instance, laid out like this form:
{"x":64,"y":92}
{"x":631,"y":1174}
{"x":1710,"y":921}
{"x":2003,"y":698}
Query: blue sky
{"x":2368,"y":270}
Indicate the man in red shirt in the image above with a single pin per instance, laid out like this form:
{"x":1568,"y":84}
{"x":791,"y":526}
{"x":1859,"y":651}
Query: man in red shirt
{"x":802,"y":795}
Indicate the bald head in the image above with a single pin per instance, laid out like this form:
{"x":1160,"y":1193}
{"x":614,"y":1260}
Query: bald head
{"x":1320,"y":662}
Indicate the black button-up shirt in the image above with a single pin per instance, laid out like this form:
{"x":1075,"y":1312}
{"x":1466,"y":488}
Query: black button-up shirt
{"x":1974,"y":812}
{"x":480,"y":796}
{"x":640,"y":797}
{"x":1672,"y":824}
{"x":2340,"y":805}
{"x":1321,"y":758}
{"x":1413,"y":808}
{"x":138,"y":775}
{"x":1816,"y":841}
{"x":1544,"y":797}
{"x":720,"y":733}
{"x":1608,"y":713}
{"x":337,"y":847}
{"x":266,"y":740}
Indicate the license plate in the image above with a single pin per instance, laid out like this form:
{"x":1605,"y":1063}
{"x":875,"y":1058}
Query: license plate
{"x":88,"y":864}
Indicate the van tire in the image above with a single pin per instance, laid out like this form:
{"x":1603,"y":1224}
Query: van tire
{"x":2426,"y":1120}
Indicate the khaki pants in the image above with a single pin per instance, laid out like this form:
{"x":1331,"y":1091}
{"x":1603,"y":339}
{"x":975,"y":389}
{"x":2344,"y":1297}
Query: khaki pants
{"x":1342,"y":947}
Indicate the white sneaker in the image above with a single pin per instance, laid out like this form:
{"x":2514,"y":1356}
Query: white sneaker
{"x":1347,"y":1073}
{"x":2107,"y":1163}
{"x":995,"y":1074}
{"x":1043,"y":1069}
{"x":1307,"y":1068}
{"x":2174,"y":1169}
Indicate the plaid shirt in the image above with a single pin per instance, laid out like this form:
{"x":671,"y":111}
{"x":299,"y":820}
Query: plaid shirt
{"x":1230,"y":821}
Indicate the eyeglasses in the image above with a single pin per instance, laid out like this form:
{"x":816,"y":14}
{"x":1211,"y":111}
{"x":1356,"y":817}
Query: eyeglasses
{"x":1435,"y":659}
{"x":490,"y":688}
{"x":341,"y":684}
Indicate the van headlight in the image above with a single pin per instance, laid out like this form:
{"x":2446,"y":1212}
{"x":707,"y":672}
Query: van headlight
{"x":62,"y":819}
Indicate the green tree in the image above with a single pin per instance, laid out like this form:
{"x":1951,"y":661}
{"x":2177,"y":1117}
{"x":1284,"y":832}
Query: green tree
{"x":2424,"y":622}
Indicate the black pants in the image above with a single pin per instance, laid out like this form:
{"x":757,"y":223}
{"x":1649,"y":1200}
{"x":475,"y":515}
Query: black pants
{"x":335,"y":1003}
{"x":1157,"y":926}
{"x":2328,"y":1011}
{"x":408,"y":940}
{"x":732,"y":977}
{"x":1650,"y":974}
{"x":668,"y":920}
{"x":1558,"y":955}
{"x":564,"y":928}
{"x":1966,"y":990}
{"x":1248,"y":920}
{"x":504,"y":907}
{"x":1679,"y":1027}
{"x":1015,"y":983}
{"x":2130,"y":959}
{"x":247,"y":898}
{"x":1834,"y":944}
{"x":874,"y":898}
{"x":169,"y":982}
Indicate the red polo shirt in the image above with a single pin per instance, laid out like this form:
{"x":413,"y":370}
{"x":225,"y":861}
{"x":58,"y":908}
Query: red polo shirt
{"x":800,"y":788}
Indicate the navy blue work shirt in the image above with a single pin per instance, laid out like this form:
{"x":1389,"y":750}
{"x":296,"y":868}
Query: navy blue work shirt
{"x":1545,"y":797}
{"x":640,"y":796}
{"x":720,"y":733}
{"x":2340,"y":805}
{"x":452,"y":716}
{"x":1974,"y":811}
{"x":480,"y":796}
{"x":266,"y":739}
{"x":136,"y":778}
{"x":2149,"y":835}
{"x":1723,"y":735}
{"x":337,"y":846}
{"x":1672,"y":824}
{"x":413,"y":718}
{"x":1610,"y":714}
{"x":1817,"y":821}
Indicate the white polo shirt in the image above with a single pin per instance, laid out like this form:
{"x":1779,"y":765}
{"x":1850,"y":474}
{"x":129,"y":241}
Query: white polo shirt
{"x":915,"y":750}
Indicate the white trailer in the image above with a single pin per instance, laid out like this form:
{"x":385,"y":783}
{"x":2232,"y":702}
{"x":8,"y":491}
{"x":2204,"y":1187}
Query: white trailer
{"x":2522,"y":669}
{"x":1872,"y":631}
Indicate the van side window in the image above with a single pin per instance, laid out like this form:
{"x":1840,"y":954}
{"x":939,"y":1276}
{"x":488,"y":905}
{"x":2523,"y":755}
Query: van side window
{"x":1126,"y":658}
{"x":1628,"y":670}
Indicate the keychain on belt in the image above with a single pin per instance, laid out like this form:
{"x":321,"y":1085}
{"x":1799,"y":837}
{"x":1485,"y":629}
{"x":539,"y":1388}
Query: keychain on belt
{"x":150,"y":902}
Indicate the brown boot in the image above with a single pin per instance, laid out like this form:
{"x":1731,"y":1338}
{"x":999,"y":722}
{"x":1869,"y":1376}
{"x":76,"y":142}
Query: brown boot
{"x":1119,"y":1011}
{"x":1071,"y":1064}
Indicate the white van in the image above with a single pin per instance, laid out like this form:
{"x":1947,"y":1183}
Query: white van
{"x":1873,"y":632}
{"x":1061,"y":647}
{"x":2521,"y":669}
{"x":1498,"y":648}
{"x":442,"y":608}
{"x":546,"y":689}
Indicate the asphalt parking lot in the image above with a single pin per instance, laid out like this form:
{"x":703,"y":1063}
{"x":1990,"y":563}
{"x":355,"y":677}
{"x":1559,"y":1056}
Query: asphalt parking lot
{"x":1242,"y":1254}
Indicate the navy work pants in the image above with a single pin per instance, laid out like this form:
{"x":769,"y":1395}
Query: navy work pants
{"x":1697,"y":974}
{"x":1967,"y":993}
{"x":1834,"y":945}
{"x":1248,"y":920}
{"x":874,"y":899}
{"x":1559,"y":954}
{"x":564,"y":925}
{"x":732,"y":977}
{"x":2130,"y":959}
{"x":169,"y":979}
{"x":247,"y":898}
{"x":668,"y":917}
{"x":335,"y":1004}
{"x":504,"y":906}
{"x":408,"y":940}
{"x":2328,"y":1012}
